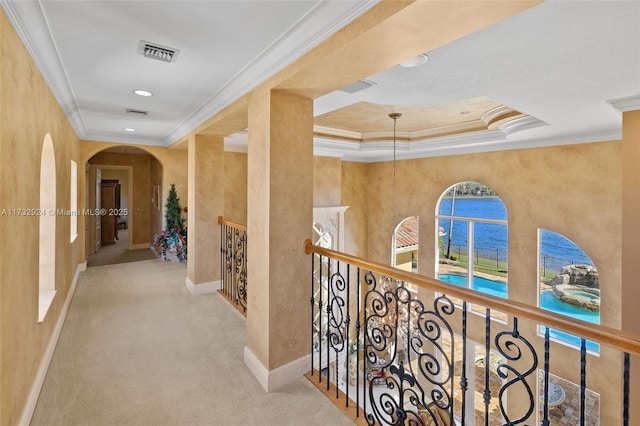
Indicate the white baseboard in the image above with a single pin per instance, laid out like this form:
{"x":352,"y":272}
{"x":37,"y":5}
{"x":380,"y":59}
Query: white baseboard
{"x":276,"y":378}
{"x":30,"y":407}
{"x":203,"y":288}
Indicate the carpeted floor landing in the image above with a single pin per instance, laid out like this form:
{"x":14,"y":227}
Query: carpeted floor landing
{"x":138,"y":349}
{"x":120,"y":253}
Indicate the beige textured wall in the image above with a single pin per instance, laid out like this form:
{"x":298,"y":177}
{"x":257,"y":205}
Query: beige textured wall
{"x":235,"y":187}
{"x":206,"y":203}
{"x":631,"y":245}
{"x":28,"y":112}
{"x":354,"y":194}
{"x":327,"y":177}
{"x":140,"y":200}
{"x":157,"y":213}
{"x":280,"y":158}
{"x":575,"y":190}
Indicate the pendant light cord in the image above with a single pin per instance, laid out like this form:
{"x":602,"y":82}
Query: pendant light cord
{"x":394,"y":116}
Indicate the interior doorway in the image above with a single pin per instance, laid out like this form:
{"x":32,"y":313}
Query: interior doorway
{"x":110,"y":205}
{"x":124,"y":187}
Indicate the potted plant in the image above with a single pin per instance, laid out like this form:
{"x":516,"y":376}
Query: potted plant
{"x":173,"y":239}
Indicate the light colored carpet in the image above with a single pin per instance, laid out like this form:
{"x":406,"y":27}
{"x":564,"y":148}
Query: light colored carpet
{"x":138,"y":349}
{"x":119,"y":252}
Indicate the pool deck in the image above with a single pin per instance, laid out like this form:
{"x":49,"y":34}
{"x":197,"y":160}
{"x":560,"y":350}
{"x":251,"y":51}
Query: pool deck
{"x":565,"y":413}
{"x":456,"y":270}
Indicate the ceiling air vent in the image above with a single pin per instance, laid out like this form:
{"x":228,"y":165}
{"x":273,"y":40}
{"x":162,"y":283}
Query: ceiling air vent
{"x":136,"y":111}
{"x":357,"y":86}
{"x":157,"y":51}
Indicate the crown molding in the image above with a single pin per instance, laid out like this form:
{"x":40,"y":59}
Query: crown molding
{"x":121,"y":139}
{"x":630,"y":103}
{"x":485,"y":140}
{"x":337,"y":133}
{"x":495,"y":113}
{"x":305,"y":34}
{"x":471,"y":143}
{"x":29,"y":22}
{"x":519,"y":124}
{"x":458,"y":128}
{"x":370,"y":137}
{"x":511,"y":125}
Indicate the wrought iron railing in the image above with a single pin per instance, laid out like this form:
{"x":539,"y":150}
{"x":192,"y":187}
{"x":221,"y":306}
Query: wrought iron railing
{"x":393,"y":356}
{"x":233,"y":263}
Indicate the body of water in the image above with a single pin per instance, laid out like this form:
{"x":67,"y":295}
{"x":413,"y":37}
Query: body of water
{"x":547,"y":301}
{"x":493,"y":237}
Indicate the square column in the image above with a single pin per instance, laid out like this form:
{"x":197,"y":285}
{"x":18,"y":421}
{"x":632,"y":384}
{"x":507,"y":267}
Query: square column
{"x":279,"y":219}
{"x":205,"y":204}
{"x":631,"y":246}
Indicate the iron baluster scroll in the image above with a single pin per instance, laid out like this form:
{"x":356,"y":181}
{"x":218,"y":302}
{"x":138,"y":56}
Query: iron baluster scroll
{"x":338,"y":320}
{"x":392,"y":355}
{"x":406,"y":358}
{"x":516,"y":349}
{"x":240,"y":266}
{"x":233,"y":255}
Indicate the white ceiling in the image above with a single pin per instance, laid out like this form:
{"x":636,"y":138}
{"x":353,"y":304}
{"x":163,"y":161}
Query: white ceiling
{"x":87,"y":52}
{"x":561,"y":62}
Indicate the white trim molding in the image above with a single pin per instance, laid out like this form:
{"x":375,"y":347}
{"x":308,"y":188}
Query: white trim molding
{"x":630,"y":103}
{"x":34,"y":394}
{"x":317,"y":25}
{"x":202,"y":288}
{"x":278,"y":377}
{"x":30,"y":23}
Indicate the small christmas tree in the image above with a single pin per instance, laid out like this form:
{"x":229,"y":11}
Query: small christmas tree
{"x":174,"y":236}
{"x":173,"y":211}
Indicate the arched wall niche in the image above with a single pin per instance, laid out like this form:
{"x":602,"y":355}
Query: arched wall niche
{"x":47,"y":230}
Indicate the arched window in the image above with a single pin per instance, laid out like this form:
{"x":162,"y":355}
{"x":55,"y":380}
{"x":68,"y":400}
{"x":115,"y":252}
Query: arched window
{"x":404,"y":254}
{"x":569,"y":283}
{"x":47,"y":249}
{"x":471,"y":229}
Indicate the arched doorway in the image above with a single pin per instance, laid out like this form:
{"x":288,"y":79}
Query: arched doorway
{"x":124,"y":191}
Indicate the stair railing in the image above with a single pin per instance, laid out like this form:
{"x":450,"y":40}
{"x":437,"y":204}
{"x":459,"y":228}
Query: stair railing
{"x":390,"y":355}
{"x":233,"y":263}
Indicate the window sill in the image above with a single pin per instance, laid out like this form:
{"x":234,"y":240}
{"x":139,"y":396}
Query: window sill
{"x":46,"y":299}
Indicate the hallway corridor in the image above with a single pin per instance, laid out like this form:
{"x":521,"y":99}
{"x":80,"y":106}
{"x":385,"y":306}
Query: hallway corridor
{"x":119,"y":252}
{"x":138,"y":349}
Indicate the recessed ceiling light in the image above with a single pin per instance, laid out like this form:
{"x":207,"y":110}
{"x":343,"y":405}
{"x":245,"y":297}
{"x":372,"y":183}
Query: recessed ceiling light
{"x":142,"y":93}
{"x":415,"y":62}
{"x":129,"y":129}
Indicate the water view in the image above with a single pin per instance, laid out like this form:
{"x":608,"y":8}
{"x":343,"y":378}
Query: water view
{"x":490,"y":250}
{"x":547,"y":301}
{"x":494,"y":237}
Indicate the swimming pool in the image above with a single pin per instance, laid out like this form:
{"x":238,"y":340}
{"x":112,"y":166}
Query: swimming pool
{"x":547,"y":301}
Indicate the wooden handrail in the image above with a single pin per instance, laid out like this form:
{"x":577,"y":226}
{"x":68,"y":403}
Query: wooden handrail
{"x":221,"y":221}
{"x":618,"y":339}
